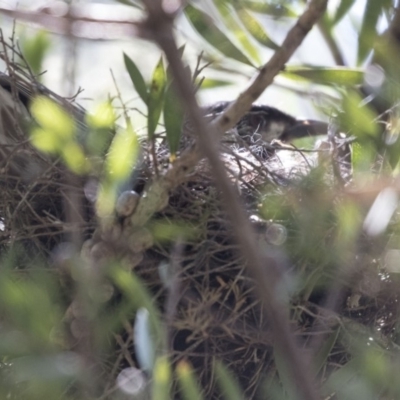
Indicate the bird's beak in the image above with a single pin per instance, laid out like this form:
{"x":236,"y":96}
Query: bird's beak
{"x":304,"y":128}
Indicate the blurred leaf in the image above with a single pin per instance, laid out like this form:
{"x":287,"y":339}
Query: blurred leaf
{"x":284,"y":375}
{"x":263,"y":7}
{"x":173,"y":118}
{"x":74,"y":157}
{"x":144,"y":341}
{"x":162,"y":379}
{"x":123,"y":154}
{"x":136,"y":78}
{"x":98,"y":141}
{"x":342,"y":10}
{"x":227,"y":13}
{"x":167,"y":230}
{"x":228,"y":383}
{"x":358,"y":118}
{"x":377,"y":366}
{"x":362,"y":156}
{"x":209,"y":83}
{"x":213,"y":35}
{"x":156,"y":98}
{"x":325,"y":75}
{"x":106,"y":198}
{"x":30,"y":308}
{"x":102,"y":117}
{"x":101,"y":121}
{"x":136,"y":292}
{"x":349,"y":224}
{"x":51,"y":117}
{"x":256,"y":29}
{"x":325,"y":350}
{"x":45,"y":140}
{"x":340,"y":380}
{"x":34,"y":48}
{"x":368,"y":32}
{"x":187,"y":382}
{"x":46,"y":367}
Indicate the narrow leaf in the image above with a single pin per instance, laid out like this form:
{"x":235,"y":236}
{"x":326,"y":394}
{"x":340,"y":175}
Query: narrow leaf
{"x":325,"y":351}
{"x":342,"y":10}
{"x":227,"y":382}
{"x":74,"y":156}
{"x":256,"y":29}
{"x":214,"y":36}
{"x":358,"y":119}
{"x":284,"y":375}
{"x":227,"y":13}
{"x":326,"y":76}
{"x":136,"y":292}
{"x":162,"y":378}
{"x":35,"y":49}
{"x":209,"y":83}
{"x":264,"y":7}
{"x":123,"y":154}
{"x":173,"y":117}
{"x":187,"y":382}
{"x":156,"y":98}
{"x":137,"y":78}
{"x":368,"y":31}
{"x":51,"y":117}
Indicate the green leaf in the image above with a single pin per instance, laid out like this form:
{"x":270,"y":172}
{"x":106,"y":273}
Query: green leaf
{"x":363,"y":155}
{"x":227,"y":382}
{"x":162,"y":379}
{"x":45,"y":141}
{"x":368,"y":31}
{"x":214,"y":36}
{"x":34,"y":49}
{"x":51,"y":117}
{"x":134,"y":289}
{"x":256,"y":29}
{"x":74,"y":157}
{"x":214,"y":83}
{"x":187,"y":382}
{"x":227,"y":13}
{"x":284,"y":374}
{"x":102,"y":117}
{"x":173,"y":117}
{"x":156,"y":98}
{"x":136,"y":78}
{"x":325,"y":351}
{"x":123,"y":154}
{"x":358,"y":119}
{"x":340,"y":380}
{"x":264,"y":7}
{"x":342,"y":10}
{"x":325,"y":75}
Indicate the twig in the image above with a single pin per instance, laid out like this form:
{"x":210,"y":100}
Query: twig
{"x":264,"y":269}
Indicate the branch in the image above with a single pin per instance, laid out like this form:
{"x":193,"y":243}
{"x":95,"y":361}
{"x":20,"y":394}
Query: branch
{"x":265,"y":270}
{"x":272,"y":68}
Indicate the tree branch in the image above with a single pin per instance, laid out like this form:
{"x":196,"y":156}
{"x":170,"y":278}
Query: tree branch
{"x":264,"y":269}
{"x":272,"y":68}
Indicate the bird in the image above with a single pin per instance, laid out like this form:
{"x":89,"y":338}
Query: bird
{"x":264,"y":123}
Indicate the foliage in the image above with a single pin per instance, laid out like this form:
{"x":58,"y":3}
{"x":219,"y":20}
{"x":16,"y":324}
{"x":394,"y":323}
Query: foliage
{"x":62,"y":314}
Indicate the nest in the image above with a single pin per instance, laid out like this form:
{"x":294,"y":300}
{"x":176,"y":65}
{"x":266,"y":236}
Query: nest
{"x":211,"y":312}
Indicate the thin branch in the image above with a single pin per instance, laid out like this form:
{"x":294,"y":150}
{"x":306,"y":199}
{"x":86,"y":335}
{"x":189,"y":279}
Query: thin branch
{"x":266,"y":270}
{"x":267,"y":73}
